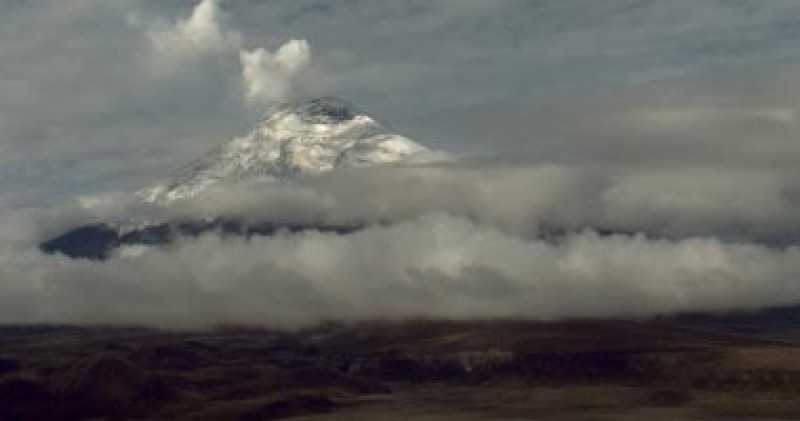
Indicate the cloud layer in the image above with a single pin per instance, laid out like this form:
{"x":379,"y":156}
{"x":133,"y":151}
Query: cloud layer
{"x":434,"y":266}
{"x":456,"y":241}
{"x":674,"y":120}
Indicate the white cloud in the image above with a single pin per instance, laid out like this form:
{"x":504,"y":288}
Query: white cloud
{"x":198,"y":34}
{"x":520,"y":199}
{"x":462,"y":243}
{"x":434,"y":265}
{"x":268,"y":76}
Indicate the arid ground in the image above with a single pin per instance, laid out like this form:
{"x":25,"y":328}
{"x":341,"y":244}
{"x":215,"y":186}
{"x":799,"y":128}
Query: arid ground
{"x":687,"y":368}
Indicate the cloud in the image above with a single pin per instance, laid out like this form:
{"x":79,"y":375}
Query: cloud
{"x":267,"y":76}
{"x":200,"y":33}
{"x":88,"y":104}
{"x":456,"y":240}
{"x":523,"y":199}
{"x":609,"y":116}
{"x":435,"y":265}
{"x":688,"y":117}
{"x":109,"y":95}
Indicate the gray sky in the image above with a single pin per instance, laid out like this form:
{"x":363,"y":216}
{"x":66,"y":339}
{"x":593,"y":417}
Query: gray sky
{"x":108,"y":95}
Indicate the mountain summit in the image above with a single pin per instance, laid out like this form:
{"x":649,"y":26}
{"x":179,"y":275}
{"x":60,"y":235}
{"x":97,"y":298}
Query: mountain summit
{"x":309,"y":137}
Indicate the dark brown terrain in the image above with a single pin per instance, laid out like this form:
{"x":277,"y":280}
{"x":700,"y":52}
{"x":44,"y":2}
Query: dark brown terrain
{"x":689,"y":368}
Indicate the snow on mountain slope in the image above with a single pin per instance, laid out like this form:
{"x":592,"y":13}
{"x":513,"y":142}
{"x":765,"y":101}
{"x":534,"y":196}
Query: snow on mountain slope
{"x":310,"y":137}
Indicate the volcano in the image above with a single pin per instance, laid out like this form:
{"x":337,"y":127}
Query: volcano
{"x":291,"y":140}
{"x":301,"y":138}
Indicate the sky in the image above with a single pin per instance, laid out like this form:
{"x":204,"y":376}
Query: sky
{"x":677,"y":120}
{"x":110,"y":95}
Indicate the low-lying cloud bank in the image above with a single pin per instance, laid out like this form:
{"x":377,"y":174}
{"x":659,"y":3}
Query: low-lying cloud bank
{"x":434,"y":266}
{"x":460,"y":240}
{"x":522,"y":200}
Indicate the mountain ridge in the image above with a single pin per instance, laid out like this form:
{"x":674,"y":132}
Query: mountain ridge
{"x":297,"y":138}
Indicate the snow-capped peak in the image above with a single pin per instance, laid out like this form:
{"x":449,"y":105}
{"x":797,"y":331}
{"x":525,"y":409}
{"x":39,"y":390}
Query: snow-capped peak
{"x":308,"y":137}
{"x":325,"y":110}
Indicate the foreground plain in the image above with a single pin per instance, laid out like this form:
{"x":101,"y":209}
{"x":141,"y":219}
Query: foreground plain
{"x":689,"y":368}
